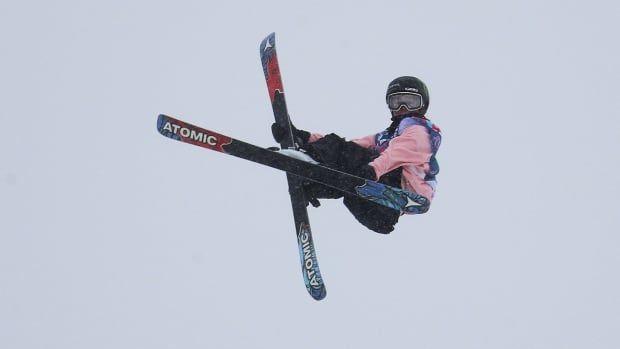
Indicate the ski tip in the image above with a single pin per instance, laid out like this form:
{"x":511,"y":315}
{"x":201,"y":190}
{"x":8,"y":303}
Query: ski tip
{"x":268,"y":44}
{"x":161,"y":118}
{"x":318,"y":293}
{"x":161,"y":121}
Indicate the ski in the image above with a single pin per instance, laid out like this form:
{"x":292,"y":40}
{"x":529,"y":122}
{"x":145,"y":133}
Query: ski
{"x":309,"y":263}
{"x":402,"y":200}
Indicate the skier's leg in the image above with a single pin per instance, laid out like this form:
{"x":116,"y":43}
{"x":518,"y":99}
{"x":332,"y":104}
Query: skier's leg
{"x":373,"y":216}
{"x":335,"y":152}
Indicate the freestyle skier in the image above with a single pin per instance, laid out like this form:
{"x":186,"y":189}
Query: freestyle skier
{"x":380,"y":176}
{"x":402,"y":155}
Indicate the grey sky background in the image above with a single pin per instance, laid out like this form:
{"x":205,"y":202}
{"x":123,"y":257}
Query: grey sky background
{"x":113,"y":236}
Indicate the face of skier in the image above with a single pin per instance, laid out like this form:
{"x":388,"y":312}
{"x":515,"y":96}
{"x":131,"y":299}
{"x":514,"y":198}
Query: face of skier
{"x":402,"y":111}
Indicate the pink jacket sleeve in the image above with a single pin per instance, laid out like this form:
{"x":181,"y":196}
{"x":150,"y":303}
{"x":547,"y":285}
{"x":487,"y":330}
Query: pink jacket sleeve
{"x":314,"y":137}
{"x":412,"y":148}
{"x":366,"y":142}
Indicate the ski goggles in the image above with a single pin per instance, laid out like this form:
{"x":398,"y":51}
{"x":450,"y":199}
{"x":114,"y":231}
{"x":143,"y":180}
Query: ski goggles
{"x":412,"y":101}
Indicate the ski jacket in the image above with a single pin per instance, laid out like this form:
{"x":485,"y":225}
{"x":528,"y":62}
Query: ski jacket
{"x":411,"y":146}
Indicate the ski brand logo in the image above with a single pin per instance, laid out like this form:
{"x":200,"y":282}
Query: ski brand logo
{"x":267,"y":45}
{"x":308,"y":258}
{"x":408,"y":89}
{"x":411,"y":203}
{"x":191,"y":134}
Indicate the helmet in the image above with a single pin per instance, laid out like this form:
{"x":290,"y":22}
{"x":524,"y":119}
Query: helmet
{"x":410,"y":92}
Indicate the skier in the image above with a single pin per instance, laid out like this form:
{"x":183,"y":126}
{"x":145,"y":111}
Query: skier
{"x":402,"y":155}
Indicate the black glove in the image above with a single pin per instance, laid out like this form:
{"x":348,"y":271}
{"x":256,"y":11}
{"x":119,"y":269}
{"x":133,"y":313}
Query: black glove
{"x":301,"y":137}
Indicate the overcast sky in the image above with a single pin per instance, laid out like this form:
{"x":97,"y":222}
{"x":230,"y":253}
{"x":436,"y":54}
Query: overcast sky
{"x":113,"y":236}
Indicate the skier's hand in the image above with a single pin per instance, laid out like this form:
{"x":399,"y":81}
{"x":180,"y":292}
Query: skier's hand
{"x":279,"y":132}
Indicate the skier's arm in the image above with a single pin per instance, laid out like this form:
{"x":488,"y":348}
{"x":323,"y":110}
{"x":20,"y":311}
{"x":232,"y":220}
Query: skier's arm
{"x":314,"y":137}
{"x":366,"y":142}
{"x":410,"y":148}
